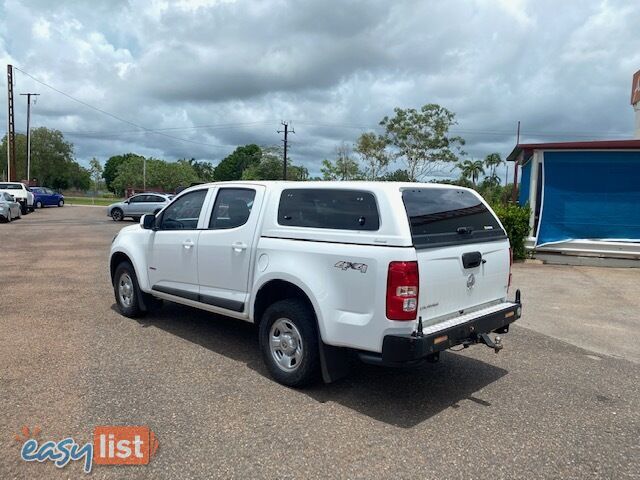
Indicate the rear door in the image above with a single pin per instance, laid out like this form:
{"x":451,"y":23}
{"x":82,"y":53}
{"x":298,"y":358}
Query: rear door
{"x":462,"y":250}
{"x":225,"y":247}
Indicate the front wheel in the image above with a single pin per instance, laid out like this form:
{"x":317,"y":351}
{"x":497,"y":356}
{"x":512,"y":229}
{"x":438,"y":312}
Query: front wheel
{"x":127,"y":291}
{"x":61,"y":203}
{"x":289,"y":343}
{"x":38,"y":204}
{"x":117,"y":215}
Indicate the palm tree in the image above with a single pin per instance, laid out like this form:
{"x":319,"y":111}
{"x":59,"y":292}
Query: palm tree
{"x":472,"y":169}
{"x":492,"y":162}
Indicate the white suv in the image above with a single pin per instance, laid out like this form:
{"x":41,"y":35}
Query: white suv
{"x":21,"y":193}
{"x":392,"y":273}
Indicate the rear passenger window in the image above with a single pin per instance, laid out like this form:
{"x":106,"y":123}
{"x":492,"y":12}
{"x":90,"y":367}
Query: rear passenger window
{"x":329,"y":208}
{"x":232,"y":208}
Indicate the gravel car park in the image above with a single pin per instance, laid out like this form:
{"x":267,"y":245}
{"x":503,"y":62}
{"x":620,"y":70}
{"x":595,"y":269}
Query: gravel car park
{"x":561,"y":400}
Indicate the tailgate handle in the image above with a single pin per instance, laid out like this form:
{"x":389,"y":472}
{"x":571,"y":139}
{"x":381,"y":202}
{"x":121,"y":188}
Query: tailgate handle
{"x":471,"y":259}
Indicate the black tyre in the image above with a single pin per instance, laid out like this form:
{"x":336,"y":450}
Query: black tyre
{"x":127,"y":291}
{"x":289,"y":343}
{"x":61,"y":203}
{"x":23,"y":209}
{"x":38,"y":204}
{"x":117,"y":215}
{"x":31,"y":209}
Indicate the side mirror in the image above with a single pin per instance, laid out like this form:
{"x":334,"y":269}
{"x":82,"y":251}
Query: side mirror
{"x":148,"y":221}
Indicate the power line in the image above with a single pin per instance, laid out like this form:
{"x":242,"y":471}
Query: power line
{"x":116,"y":117}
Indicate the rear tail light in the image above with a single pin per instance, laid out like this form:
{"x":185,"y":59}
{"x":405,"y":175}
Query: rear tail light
{"x":402,"y":290}
{"x":510,"y":263}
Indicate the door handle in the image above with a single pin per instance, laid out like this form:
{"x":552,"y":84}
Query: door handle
{"x":188,"y":244}
{"x":239,"y":246}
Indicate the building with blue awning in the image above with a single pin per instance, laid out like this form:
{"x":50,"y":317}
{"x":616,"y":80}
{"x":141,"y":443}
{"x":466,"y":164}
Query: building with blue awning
{"x":584,"y":196}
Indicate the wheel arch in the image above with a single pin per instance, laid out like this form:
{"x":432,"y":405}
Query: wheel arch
{"x":277,"y":289}
{"x":116,"y":259}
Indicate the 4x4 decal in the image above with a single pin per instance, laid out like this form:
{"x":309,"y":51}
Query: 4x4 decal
{"x":342,"y":265}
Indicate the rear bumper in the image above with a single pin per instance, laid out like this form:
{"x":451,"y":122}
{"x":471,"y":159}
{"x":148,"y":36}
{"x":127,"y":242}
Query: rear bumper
{"x":409,"y":348}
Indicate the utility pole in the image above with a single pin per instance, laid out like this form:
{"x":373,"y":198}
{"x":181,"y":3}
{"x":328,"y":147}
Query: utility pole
{"x":11,"y":129}
{"x":144,"y":173}
{"x":29,"y":95}
{"x":285,"y":140}
{"x":515,"y":167}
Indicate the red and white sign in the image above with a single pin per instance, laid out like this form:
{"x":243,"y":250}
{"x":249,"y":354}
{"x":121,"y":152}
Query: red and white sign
{"x":635,"y":88}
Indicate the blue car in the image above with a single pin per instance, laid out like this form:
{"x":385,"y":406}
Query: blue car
{"x":45,"y":196}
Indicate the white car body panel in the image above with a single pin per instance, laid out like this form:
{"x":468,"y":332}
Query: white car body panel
{"x":350,"y":305}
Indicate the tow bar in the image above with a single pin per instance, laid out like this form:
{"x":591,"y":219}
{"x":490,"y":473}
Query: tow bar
{"x":495,"y":344}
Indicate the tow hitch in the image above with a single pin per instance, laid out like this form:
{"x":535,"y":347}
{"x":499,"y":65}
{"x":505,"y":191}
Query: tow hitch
{"x":495,"y":344}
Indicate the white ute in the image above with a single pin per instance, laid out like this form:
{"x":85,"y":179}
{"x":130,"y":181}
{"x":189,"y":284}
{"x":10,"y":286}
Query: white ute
{"x":391,"y":273}
{"x":21,"y":193}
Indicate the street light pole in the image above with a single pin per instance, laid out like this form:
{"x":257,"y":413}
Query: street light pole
{"x":29,"y":95}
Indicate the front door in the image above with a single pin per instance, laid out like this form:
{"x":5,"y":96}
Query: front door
{"x":224,"y":247}
{"x":173,"y":250}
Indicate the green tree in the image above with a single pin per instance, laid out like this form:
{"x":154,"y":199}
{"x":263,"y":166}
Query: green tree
{"x":397,"y":176}
{"x":344,"y":167}
{"x":492,"y":162}
{"x":372,"y":149}
{"x":111,"y":167}
{"x":421,"y":138}
{"x":270,"y":167}
{"x":95,"y":170}
{"x":205,"y":171}
{"x":472,"y":169}
{"x":232,"y":167}
{"x":160,"y":174}
{"x":52,"y":160}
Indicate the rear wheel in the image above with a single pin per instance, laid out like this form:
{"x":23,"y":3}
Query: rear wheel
{"x":117,"y":215}
{"x":289,"y":343}
{"x":126,"y":290}
{"x":23,"y":208}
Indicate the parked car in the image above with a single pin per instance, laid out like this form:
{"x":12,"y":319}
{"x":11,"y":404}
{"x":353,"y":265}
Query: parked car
{"x":21,"y":194}
{"x":46,"y":197}
{"x":392,"y":273}
{"x":9,"y":208}
{"x":138,"y":205}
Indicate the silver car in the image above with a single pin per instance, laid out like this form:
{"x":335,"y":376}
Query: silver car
{"x":138,"y":205}
{"x":9,"y":208}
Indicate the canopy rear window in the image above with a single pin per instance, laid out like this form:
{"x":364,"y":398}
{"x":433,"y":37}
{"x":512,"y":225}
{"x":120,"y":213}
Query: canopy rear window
{"x":10,"y":186}
{"x":449,"y":216}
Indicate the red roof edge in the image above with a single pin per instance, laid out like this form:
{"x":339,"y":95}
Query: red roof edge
{"x":590,"y":145}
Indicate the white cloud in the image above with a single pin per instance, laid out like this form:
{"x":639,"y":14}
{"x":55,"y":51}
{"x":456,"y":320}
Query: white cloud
{"x":333,"y":68}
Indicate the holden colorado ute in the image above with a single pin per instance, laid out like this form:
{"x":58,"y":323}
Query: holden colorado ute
{"x":390,"y":273}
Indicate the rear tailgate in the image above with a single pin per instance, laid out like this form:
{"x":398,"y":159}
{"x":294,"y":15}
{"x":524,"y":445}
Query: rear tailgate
{"x":463,"y":252}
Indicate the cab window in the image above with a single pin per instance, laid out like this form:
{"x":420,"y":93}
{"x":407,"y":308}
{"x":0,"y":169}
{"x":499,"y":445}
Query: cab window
{"x":183,"y":213}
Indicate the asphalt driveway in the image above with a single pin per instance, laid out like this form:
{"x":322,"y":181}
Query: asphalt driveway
{"x":560,"y":401}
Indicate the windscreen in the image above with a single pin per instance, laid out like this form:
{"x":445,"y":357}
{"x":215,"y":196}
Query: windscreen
{"x":449,"y":216}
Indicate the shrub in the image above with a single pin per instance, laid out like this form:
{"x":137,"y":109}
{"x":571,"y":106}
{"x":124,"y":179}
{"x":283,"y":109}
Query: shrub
{"x":516,"y":223}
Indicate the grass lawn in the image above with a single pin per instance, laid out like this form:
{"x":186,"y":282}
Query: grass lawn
{"x":89,"y":201}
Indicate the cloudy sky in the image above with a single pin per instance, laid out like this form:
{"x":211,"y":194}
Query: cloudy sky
{"x":208,"y":75}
